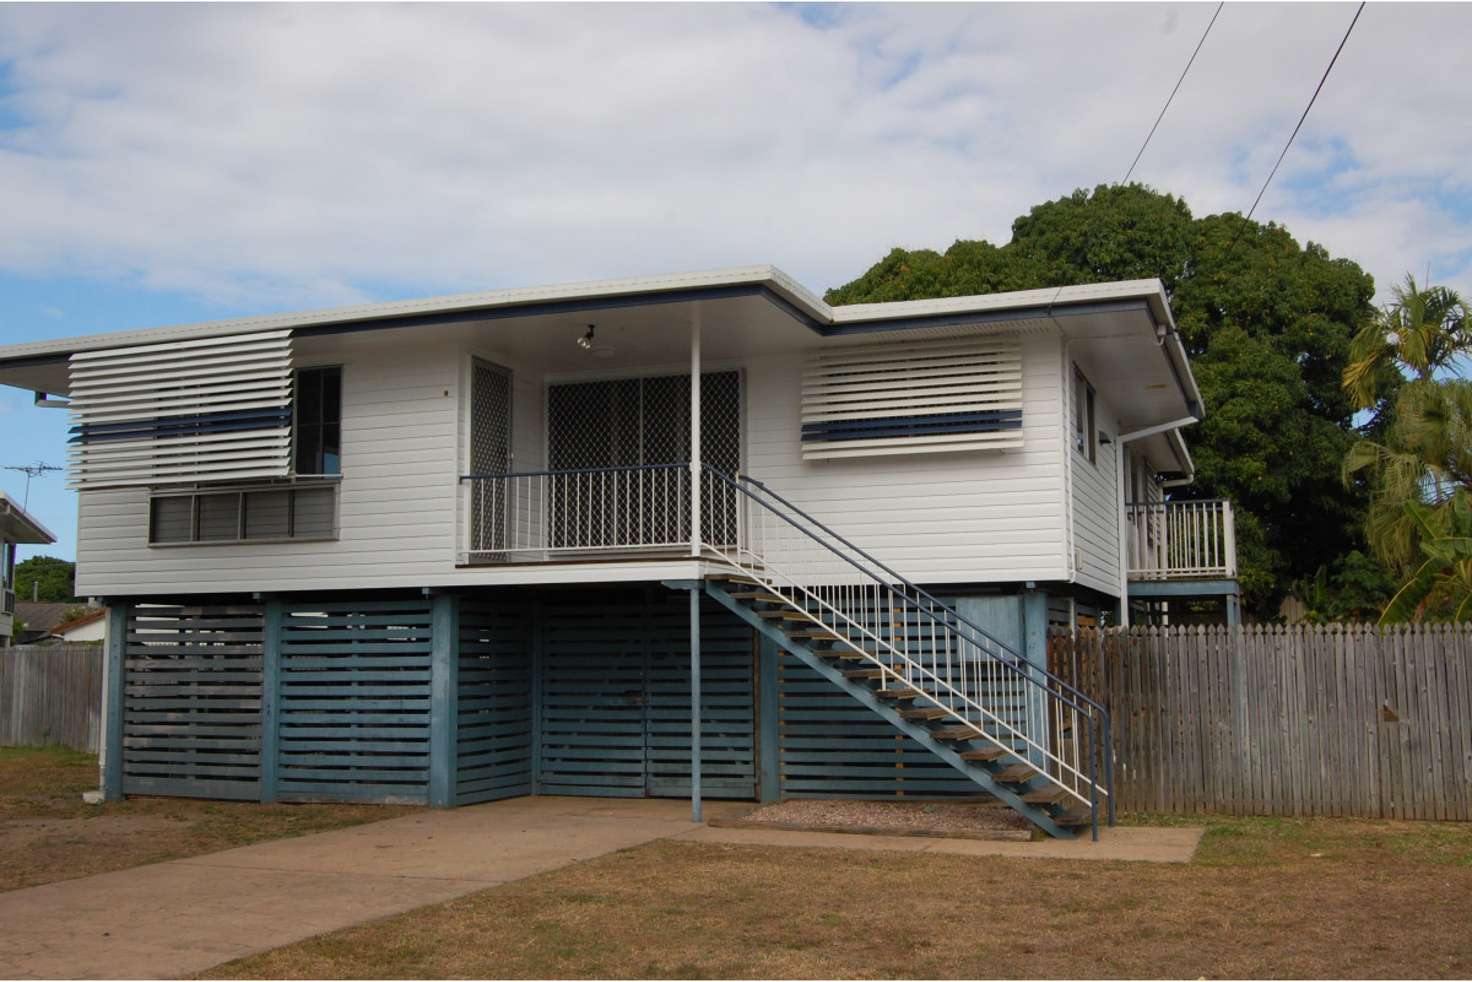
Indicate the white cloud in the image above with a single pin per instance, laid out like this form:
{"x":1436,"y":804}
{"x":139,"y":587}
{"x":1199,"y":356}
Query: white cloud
{"x":314,"y":154}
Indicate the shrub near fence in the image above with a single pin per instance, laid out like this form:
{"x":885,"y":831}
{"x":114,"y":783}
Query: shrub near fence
{"x":51,"y":695}
{"x":1342,"y":720}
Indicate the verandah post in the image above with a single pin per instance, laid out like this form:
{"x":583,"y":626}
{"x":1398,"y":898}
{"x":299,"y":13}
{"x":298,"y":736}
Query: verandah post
{"x":695,"y":704}
{"x":113,"y":682}
{"x":770,"y":733}
{"x":443,"y":710}
{"x":1035,"y":653}
{"x":695,"y":435}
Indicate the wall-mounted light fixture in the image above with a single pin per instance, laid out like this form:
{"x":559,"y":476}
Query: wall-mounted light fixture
{"x":586,"y":341}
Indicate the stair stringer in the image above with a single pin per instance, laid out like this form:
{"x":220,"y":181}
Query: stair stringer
{"x":871,"y":701}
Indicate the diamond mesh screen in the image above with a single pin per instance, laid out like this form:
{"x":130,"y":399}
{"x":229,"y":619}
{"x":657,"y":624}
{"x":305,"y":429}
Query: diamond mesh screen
{"x":635,"y":422}
{"x":490,"y":441}
{"x":627,"y":422}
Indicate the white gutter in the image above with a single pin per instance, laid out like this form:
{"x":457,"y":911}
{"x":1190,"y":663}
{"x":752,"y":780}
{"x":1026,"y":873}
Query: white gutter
{"x":1174,"y":424}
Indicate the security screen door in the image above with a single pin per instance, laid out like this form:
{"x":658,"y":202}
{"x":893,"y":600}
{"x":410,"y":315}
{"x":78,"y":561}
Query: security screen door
{"x":490,"y":451}
{"x":609,"y":426}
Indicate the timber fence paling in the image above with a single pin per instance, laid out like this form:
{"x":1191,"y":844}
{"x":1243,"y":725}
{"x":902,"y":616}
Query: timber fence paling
{"x":51,"y":695}
{"x":1343,"y":720}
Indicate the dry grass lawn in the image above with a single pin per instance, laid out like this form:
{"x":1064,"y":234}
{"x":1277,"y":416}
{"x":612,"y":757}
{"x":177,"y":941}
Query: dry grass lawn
{"x":1264,"y":898}
{"x":47,"y":833}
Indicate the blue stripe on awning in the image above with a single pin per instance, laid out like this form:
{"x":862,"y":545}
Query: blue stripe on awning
{"x":239,"y":421}
{"x":901,"y":426}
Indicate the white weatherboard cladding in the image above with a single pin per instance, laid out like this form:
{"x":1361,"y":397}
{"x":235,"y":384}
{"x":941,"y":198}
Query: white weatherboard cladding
{"x":937,"y":518}
{"x":209,"y":409}
{"x":898,"y":391}
{"x":396,"y":498}
{"x":1094,"y":503}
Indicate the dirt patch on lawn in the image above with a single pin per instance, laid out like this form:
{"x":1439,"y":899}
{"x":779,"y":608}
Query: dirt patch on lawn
{"x":24,"y":834}
{"x":964,"y":820}
{"x":48,"y":833}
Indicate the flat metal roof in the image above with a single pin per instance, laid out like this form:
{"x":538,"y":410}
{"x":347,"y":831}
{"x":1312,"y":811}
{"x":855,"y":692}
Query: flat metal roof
{"x":19,"y":525}
{"x":802,"y":303}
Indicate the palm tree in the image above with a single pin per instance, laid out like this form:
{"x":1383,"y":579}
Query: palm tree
{"x":1422,"y":332}
{"x":1422,"y":453}
{"x":1424,"y":458}
{"x":1441,"y":588}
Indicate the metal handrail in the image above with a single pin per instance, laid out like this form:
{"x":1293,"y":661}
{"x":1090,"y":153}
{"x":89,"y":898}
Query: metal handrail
{"x":920,"y":591}
{"x":1028,"y":674}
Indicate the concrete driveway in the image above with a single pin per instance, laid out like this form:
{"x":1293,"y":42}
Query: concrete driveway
{"x":180,"y":917}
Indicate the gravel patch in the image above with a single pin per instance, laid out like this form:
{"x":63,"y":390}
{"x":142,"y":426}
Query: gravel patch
{"x":974,"y":820}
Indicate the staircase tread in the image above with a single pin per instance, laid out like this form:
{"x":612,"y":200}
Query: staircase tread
{"x":892,"y":693}
{"x":1017,"y":772}
{"x":928,"y":712}
{"x":985,"y":753}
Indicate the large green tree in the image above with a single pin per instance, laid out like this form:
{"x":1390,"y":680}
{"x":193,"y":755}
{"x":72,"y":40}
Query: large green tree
{"x":45,"y":578}
{"x":1268,"y":324}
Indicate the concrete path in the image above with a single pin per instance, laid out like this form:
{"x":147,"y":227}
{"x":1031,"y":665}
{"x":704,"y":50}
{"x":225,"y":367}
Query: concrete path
{"x":1131,"y":844}
{"x":180,"y":917}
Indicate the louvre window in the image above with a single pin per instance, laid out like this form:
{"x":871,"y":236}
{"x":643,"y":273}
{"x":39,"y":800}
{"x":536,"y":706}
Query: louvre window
{"x":930,"y":396}
{"x":264,"y":514}
{"x":206,"y":409}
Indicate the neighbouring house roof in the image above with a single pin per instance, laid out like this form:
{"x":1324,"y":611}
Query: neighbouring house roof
{"x":92,"y":616}
{"x":17,"y":525}
{"x":42,"y":619}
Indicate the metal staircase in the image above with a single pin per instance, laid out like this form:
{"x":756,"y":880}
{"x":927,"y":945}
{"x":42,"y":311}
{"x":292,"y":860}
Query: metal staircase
{"x":1019,"y":732}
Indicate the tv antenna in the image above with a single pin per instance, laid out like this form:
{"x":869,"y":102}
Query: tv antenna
{"x":38,"y":469}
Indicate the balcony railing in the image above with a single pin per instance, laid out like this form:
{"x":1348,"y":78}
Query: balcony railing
{"x":1181,"y":540}
{"x":563,"y":515}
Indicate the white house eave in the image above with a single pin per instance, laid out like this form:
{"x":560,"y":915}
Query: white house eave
{"x":755,"y":276}
{"x":1149,"y":291}
{"x":18,"y":525}
{"x":801,"y":302}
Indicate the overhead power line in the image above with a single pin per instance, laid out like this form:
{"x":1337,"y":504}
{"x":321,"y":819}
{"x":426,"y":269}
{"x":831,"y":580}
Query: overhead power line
{"x":1306,"y":109}
{"x":1173,"y":92}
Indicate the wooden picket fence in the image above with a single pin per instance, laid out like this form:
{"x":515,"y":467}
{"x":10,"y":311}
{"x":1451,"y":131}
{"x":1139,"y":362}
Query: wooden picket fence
{"x":51,"y":695}
{"x":1340,"y":720}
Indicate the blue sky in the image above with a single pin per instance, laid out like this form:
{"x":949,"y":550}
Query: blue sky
{"x":171,"y":163}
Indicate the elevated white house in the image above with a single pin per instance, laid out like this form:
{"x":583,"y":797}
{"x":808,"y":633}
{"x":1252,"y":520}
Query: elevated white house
{"x":490,"y":544}
{"x":17,"y":527}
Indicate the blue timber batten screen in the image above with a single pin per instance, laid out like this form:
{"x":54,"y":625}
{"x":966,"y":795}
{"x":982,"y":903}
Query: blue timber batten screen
{"x":583,"y":692}
{"x":615,"y":697}
{"x":355,"y":701}
{"x":191,"y":701}
{"x":495,"y":739}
